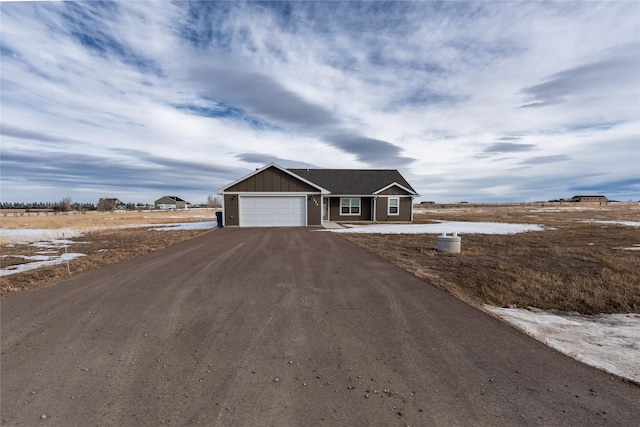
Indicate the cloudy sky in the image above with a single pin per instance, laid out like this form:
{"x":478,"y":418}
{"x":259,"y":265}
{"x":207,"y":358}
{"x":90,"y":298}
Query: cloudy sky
{"x":477,"y":101}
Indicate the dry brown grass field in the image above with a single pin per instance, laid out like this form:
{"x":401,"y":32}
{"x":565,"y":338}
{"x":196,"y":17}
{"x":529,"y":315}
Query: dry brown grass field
{"x":576,"y":264}
{"x":100,"y":247}
{"x":108,"y":237}
{"x":14,"y":219}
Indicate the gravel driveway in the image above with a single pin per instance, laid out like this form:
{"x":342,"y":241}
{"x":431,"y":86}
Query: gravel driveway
{"x":281,"y":327}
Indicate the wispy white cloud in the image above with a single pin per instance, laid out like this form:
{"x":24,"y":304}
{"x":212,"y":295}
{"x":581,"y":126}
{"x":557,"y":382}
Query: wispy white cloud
{"x":137,"y":99}
{"x":589,"y":81}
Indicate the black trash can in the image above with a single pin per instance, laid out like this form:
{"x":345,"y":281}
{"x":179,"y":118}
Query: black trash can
{"x":219,"y":219}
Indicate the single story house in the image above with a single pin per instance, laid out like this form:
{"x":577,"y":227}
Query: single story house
{"x":273,"y":196}
{"x":589,"y":199}
{"x":171,"y":202}
{"x":110,"y":204}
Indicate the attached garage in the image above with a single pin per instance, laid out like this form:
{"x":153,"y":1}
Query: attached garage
{"x":272,"y":211}
{"x":273,"y":196}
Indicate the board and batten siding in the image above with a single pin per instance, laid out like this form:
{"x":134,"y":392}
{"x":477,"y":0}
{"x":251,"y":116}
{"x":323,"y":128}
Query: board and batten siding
{"x":314,"y":210}
{"x":271,"y":180}
{"x":231,"y":211}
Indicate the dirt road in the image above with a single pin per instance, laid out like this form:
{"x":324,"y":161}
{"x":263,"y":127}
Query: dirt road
{"x":281,"y":327}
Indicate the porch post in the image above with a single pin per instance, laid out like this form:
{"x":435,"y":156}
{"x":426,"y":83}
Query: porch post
{"x":375,"y":208}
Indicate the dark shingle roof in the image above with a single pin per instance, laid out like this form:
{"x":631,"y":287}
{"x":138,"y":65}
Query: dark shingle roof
{"x":176,"y":199}
{"x":354,"y":182}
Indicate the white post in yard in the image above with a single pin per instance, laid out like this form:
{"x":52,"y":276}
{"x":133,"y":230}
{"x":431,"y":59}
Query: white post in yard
{"x":65,"y":252}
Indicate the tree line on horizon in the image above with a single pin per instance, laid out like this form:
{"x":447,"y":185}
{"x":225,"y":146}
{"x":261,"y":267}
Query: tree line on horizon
{"x":66,"y":205}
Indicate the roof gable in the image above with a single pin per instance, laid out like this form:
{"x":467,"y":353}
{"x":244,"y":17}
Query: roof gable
{"x":251,"y":181}
{"x":355,"y":182}
{"x":394,"y":188}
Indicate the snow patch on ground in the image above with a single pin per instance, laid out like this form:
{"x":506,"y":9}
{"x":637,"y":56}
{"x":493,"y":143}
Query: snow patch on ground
{"x":444,"y":227}
{"x":188,"y":226}
{"x":632,"y":248}
{"x":610,"y":342}
{"x":49,"y":261}
{"x":57,"y":239}
{"x":627,"y":223}
{"x":27,"y":235}
{"x":56,"y":243}
{"x":24,"y":235}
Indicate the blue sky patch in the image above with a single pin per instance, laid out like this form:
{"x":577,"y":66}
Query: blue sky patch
{"x":225,"y":111}
{"x":206,"y":90}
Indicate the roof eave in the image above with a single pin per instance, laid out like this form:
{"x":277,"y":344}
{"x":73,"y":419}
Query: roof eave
{"x":413,"y":193}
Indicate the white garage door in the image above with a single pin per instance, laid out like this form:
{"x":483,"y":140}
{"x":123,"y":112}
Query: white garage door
{"x":274,"y":211}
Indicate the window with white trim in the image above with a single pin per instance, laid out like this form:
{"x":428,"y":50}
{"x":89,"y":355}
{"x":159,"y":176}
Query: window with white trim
{"x":349,"y":206}
{"x":393,"y":206}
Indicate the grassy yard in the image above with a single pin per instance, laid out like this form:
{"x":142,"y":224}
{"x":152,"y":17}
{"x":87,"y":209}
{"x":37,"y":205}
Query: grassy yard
{"x":108,"y":237}
{"x":15,"y":219}
{"x":575,"y":265}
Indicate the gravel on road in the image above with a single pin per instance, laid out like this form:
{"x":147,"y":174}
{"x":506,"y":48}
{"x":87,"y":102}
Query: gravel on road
{"x":287,"y":327}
